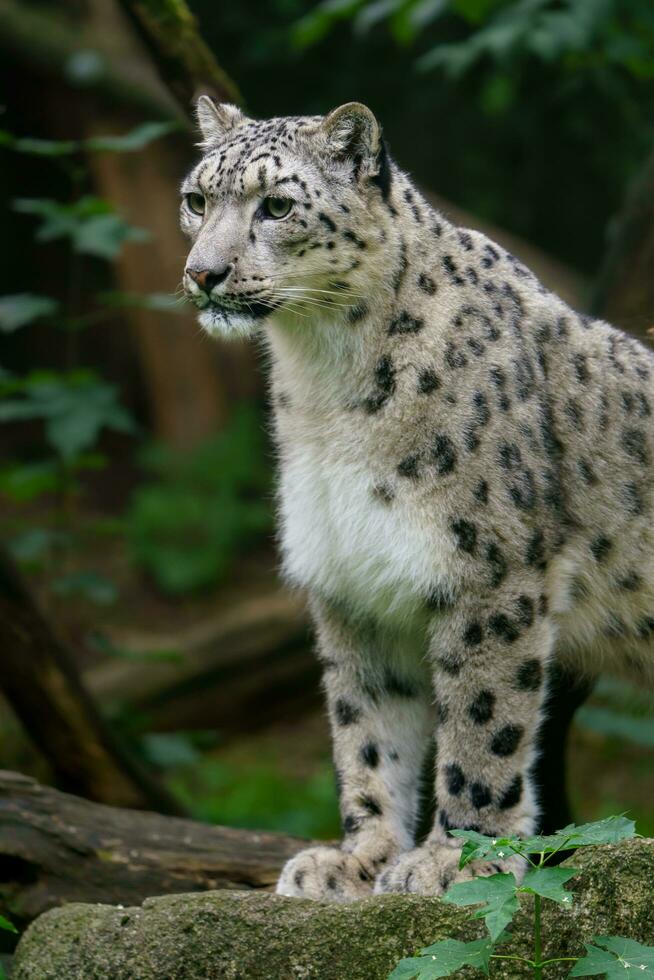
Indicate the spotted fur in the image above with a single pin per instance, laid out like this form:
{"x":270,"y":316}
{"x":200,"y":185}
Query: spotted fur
{"x":465,"y":480}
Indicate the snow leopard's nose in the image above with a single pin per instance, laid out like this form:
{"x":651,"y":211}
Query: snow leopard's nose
{"x":208,"y":279}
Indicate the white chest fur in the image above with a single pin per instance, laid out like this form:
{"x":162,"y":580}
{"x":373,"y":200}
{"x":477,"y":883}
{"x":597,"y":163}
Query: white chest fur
{"x":341,"y":538}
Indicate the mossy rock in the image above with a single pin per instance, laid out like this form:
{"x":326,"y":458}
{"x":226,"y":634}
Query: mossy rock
{"x":229,"y":935}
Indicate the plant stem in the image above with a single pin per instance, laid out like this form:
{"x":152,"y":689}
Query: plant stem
{"x":521,"y":959}
{"x":538,"y":966}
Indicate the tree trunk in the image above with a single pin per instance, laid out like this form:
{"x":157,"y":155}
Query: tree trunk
{"x":186,"y":65}
{"x":625,"y":288}
{"x":41,"y":683}
{"x":55,"y":849}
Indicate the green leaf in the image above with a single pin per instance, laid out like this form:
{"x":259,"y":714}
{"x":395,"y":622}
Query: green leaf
{"x":27,"y":481}
{"x":78,"y":411}
{"x":7,"y":925}
{"x":315,"y":25}
{"x":90,"y":585}
{"x":22,"y":308}
{"x":443,"y":959}
{"x":38,"y":147}
{"x":496,"y":894}
{"x":617,"y":957}
{"x":500,"y":38}
{"x":135,"y":139}
{"x":59,"y":220}
{"x":372,"y":13}
{"x":75,"y":407}
{"x":549,"y":883}
{"x":105,"y":235}
{"x":425,"y":11}
{"x":478,"y":846}
{"x":33,"y":543}
{"x":90,"y":223}
{"x":608,"y":831}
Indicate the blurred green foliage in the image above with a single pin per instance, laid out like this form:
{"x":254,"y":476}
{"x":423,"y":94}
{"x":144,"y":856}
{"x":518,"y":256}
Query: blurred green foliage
{"x":189,"y":519}
{"x":90,"y":223}
{"x":621,"y":710}
{"x":187,"y":524}
{"x":610,"y":35}
{"x":7,"y":925}
{"x":261,"y":797}
{"x":75,"y":406}
{"x":256,"y":790}
{"x":533,"y":114}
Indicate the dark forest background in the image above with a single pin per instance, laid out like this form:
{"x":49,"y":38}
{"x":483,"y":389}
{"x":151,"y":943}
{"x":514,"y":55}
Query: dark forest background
{"x":136,"y":476}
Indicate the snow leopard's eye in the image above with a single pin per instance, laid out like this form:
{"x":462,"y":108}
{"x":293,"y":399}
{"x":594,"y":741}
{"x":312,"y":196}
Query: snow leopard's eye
{"x":196,"y":203}
{"x":276,"y":207}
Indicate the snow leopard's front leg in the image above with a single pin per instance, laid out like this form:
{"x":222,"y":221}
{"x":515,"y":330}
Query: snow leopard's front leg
{"x":381,"y":720}
{"x":490,"y":655}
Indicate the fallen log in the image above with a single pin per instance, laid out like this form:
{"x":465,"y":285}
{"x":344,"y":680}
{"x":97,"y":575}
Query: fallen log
{"x":250,"y":936}
{"x":56,"y":848}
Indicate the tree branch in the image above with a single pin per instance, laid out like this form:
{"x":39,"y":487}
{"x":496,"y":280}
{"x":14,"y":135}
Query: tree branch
{"x":185,"y":63}
{"x":40,"y":681}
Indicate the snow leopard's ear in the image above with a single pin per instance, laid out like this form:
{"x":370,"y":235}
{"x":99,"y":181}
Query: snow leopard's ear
{"x":353,"y":133}
{"x":216,"y":119}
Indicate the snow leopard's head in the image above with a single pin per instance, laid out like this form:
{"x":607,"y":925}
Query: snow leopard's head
{"x":281,"y":215}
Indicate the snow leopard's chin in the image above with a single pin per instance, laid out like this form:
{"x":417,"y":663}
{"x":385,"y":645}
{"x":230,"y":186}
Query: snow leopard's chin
{"x":228,"y":324}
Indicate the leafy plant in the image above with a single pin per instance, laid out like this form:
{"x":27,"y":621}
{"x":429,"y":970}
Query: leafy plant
{"x":22,"y":308}
{"x":74,"y":405}
{"x":7,"y":925}
{"x":136,"y":139}
{"x":497,"y":901}
{"x":610,"y":33}
{"x":90,"y":223}
{"x":185,"y":527}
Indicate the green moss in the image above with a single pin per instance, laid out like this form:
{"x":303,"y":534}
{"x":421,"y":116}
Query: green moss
{"x":232,"y":935}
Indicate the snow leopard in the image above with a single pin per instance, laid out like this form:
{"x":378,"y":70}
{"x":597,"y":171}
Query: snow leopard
{"x":465,"y":481}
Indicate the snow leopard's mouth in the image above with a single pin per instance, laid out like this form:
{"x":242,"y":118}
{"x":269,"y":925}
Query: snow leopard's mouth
{"x":231,"y":318}
{"x":240,"y":307}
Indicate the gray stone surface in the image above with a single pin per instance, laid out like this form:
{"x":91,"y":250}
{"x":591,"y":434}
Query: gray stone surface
{"x":229,"y":935}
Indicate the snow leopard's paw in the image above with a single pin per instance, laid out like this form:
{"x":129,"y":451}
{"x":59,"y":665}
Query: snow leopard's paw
{"x":325,"y":873}
{"x":432,"y":868}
